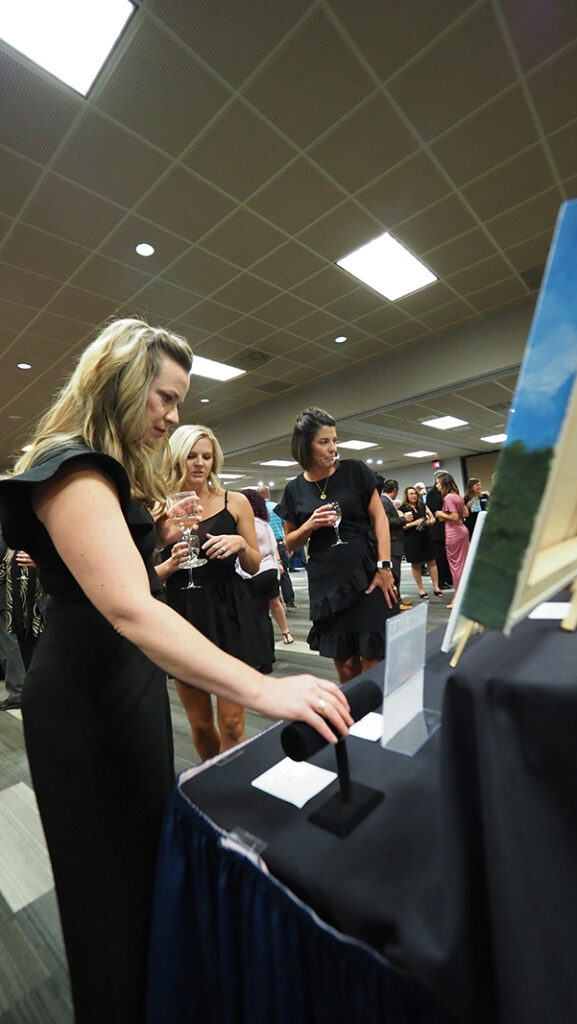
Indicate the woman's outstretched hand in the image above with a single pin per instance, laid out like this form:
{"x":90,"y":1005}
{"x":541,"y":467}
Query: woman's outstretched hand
{"x":306,"y":699}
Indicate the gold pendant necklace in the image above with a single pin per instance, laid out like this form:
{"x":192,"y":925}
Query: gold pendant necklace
{"x":322,"y":490}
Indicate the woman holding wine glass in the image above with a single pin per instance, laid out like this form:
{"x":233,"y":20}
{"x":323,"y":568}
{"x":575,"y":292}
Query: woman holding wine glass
{"x":219,"y":605}
{"x":336,"y":508}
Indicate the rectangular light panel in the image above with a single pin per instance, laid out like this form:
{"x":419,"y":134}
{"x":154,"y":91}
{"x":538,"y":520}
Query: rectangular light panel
{"x":357,"y":446}
{"x":69,"y":39}
{"x":385,"y":265}
{"x":445,"y":423}
{"x":202,"y":367}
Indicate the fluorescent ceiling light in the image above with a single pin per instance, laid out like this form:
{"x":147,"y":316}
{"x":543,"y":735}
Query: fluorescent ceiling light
{"x":385,"y":265}
{"x":445,"y":423}
{"x":230,"y":476}
{"x":358,"y":446}
{"x":419,"y":455}
{"x":69,"y":39}
{"x":277,"y":462}
{"x":495,"y":438}
{"x":216,"y":371}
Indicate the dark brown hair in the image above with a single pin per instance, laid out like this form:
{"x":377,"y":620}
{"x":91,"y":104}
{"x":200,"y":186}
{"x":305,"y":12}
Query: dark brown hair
{"x":307,"y":424}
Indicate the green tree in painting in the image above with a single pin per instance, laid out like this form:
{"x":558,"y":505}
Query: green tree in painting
{"x":520,"y":481}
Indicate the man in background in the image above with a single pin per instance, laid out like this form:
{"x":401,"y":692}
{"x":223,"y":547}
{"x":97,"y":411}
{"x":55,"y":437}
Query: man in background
{"x":396,"y":522}
{"x":286,"y":587}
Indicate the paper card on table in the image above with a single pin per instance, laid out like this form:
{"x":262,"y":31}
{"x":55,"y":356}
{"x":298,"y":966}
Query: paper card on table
{"x":294,"y":781}
{"x":551,"y":610}
{"x":368,"y":728}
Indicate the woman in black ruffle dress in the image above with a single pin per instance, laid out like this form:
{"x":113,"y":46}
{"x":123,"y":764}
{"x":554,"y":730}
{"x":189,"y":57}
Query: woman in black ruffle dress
{"x":350,"y":596}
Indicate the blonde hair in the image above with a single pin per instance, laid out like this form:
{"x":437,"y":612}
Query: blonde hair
{"x":103,"y":404}
{"x":181,"y":444}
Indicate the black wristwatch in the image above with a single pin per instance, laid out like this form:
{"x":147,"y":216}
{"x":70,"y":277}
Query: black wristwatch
{"x":383,"y":564}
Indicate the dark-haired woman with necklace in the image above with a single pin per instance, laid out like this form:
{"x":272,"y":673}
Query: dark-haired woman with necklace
{"x":351,"y":585}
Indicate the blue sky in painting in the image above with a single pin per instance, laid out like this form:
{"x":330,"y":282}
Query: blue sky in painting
{"x":550,"y":363}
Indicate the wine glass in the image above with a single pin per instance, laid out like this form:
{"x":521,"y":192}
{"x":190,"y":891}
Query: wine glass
{"x":23,"y":577}
{"x":193,"y":561}
{"x":339,"y":515}
{"x":183,"y":507}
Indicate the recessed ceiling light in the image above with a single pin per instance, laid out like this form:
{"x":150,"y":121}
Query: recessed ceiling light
{"x":419,"y":454}
{"x":24,"y":366}
{"x":278,"y":462}
{"x":495,"y":438}
{"x":68,"y":39}
{"x":358,"y":446}
{"x":204,"y":401}
{"x":369,"y":462}
{"x":216,"y":371}
{"x":385,"y":265}
{"x":445,"y":423}
{"x":144,"y":249}
{"x":379,"y":462}
{"x":341,"y":338}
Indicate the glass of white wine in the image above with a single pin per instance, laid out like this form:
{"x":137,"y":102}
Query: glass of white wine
{"x":339,"y":515}
{"x":183,"y":508}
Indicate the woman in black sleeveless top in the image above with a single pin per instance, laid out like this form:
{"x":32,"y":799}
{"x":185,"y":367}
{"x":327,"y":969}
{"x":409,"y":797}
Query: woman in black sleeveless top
{"x":222,"y":608}
{"x":94,"y":704}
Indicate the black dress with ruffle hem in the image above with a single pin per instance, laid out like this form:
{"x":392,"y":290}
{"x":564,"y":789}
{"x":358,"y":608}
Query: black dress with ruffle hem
{"x":345,"y":620}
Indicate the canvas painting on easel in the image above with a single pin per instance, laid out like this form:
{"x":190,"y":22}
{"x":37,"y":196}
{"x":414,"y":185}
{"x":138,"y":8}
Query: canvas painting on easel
{"x":528,"y":549}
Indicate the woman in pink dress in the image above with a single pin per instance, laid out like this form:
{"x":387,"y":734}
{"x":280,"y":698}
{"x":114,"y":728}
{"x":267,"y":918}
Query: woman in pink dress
{"x":453,"y":513}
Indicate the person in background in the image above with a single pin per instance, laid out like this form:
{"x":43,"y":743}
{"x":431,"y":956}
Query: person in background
{"x":351,"y":586}
{"x":418,"y":547}
{"x":220,"y":607}
{"x":456,"y":534}
{"x":476,"y":500}
{"x":397,"y":521}
{"x":95,"y":705}
{"x":264,"y":584}
{"x":10,"y":656}
{"x":287,"y":590}
{"x":437,"y":535}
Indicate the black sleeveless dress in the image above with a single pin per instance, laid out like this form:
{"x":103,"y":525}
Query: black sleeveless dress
{"x":346,"y":621}
{"x":222,"y":608}
{"x":99,"y":741}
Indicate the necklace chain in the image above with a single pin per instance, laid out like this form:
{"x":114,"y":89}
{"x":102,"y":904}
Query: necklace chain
{"x":322,"y":490}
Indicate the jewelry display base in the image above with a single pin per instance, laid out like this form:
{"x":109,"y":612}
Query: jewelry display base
{"x":342,"y":816}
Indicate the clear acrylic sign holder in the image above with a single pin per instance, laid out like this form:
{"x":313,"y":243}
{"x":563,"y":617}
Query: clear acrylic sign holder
{"x":407,"y":724}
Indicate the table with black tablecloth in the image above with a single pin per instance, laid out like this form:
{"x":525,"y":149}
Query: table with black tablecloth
{"x":454,"y":899}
